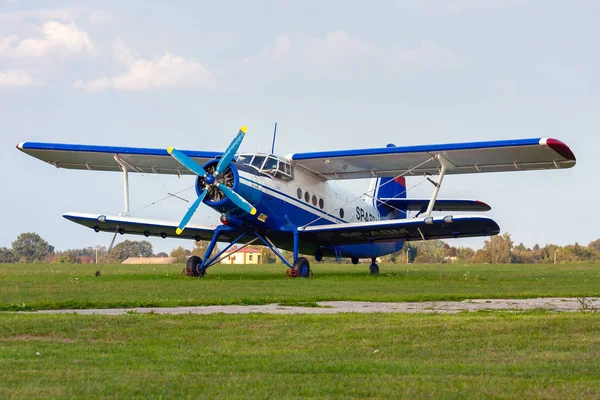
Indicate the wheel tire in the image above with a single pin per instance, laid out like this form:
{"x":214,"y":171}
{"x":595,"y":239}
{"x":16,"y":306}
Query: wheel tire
{"x":192,"y":267}
{"x":318,"y":256}
{"x":354,"y":260}
{"x":302,"y":267}
{"x":374,"y":269}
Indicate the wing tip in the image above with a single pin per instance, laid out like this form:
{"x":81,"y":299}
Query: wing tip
{"x":484,"y":205}
{"x":560,"y":147}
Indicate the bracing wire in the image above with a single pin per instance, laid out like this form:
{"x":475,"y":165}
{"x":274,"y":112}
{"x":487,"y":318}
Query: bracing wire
{"x":408,"y":171}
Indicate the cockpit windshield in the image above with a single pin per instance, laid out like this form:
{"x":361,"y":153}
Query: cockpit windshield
{"x":277,"y":167}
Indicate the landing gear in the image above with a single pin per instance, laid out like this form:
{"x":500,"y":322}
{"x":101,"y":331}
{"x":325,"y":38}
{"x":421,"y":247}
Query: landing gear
{"x":301,"y":267}
{"x":318,"y":256}
{"x":354,"y":260}
{"x":192,"y":267}
{"x":374,"y":268}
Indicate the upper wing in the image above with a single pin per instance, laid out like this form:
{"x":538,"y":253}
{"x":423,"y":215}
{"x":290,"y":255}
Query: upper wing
{"x":401,"y":230}
{"x":496,"y":156}
{"x":102,"y":158}
{"x":148,"y":227}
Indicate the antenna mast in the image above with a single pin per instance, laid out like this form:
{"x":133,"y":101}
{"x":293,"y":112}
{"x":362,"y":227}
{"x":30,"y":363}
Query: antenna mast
{"x":274,"y":136}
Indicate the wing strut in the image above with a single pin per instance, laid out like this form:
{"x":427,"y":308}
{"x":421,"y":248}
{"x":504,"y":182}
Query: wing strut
{"x":123,"y":166}
{"x":446,"y":165}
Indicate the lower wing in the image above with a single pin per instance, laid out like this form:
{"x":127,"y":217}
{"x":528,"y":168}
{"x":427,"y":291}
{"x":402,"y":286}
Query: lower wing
{"x":149,"y":227}
{"x":401,"y":230}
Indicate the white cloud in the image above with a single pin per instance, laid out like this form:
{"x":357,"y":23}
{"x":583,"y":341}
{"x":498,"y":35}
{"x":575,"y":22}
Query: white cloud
{"x":6,"y":43}
{"x":340,"y":55}
{"x":15,"y":78}
{"x":336,"y":48}
{"x":281,"y":49}
{"x":167,"y":71}
{"x":56,"y":37}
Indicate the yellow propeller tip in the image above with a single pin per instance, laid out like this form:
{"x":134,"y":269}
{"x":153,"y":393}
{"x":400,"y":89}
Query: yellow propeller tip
{"x":169,"y":150}
{"x":179,"y":231}
{"x":253,"y":211}
{"x":243,"y":129}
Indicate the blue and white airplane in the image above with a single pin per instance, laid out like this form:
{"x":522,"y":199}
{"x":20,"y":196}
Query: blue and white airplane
{"x":294,"y":203}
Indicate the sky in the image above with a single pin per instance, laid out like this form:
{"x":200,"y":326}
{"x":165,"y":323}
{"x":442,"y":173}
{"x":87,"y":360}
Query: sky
{"x":334,"y":75}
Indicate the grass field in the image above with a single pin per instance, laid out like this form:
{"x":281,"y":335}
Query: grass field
{"x":471,"y":355}
{"x":42,"y":286}
{"x":475,"y":355}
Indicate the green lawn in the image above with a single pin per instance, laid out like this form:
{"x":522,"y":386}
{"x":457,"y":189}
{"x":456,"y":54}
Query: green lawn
{"x":42,"y":286}
{"x":474,"y":355}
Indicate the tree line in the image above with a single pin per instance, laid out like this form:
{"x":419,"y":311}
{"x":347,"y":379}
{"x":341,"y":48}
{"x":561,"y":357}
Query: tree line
{"x":32,"y":248}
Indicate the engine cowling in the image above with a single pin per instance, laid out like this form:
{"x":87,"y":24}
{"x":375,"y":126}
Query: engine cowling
{"x":215,"y":197}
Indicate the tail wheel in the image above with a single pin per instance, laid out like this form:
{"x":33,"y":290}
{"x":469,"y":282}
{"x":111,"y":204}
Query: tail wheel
{"x":302,"y":267}
{"x":192,"y":267}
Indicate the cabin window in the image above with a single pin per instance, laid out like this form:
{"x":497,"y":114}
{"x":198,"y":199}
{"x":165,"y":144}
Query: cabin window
{"x":314,"y":200}
{"x":299,"y":193}
{"x":321,"y":204}
{"x":341,"y":213}
{"x":306,"y":197}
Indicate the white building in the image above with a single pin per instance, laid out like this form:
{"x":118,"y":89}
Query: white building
{"x":243,"y":256}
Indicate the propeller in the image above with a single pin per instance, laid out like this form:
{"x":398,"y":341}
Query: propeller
{"x":210,"y":179}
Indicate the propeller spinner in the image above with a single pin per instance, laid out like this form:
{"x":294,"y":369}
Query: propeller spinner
{"x":211,"y":179}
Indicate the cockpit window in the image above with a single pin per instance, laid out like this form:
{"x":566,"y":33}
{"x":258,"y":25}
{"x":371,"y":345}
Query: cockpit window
{"x":258,"y":161}
{"x":271,"y":164}
{"x":277,"y":167}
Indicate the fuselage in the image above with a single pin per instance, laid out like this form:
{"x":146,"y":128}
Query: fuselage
{"x":297,"y":198}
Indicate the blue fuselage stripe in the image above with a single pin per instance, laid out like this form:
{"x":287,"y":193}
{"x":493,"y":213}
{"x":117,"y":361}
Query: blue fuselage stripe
{"x":294,"y":201}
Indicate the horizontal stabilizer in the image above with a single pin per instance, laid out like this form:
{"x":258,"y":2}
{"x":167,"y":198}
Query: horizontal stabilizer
{"x":401,"y":230}
{"x":148,"y":227}
{"x":440,"y":205}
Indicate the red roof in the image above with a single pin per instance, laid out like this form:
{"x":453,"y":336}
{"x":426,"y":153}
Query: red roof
{"x":244,"y":250}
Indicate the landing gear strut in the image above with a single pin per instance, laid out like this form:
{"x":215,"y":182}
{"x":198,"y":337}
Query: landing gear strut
{"x":374,"y":268}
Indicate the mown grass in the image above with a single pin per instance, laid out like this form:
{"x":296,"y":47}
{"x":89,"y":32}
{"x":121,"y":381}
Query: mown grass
{"x":44,"y":286}
{"x":474,"y":355}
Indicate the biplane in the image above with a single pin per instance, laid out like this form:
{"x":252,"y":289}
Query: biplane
{"x":295,"y":203}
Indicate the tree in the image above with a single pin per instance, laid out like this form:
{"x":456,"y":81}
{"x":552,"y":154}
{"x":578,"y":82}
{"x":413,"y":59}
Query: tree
{"x":200,"y":248}
{"x":430,"y":251}
{"x":179,"y":254}
{"x":130,"y":248}
{"x":465,"y":254}
{"x":496,"y":250}
{"x":7,"y":256}
{"x":30,"y":247}
{"x":595,"y":245}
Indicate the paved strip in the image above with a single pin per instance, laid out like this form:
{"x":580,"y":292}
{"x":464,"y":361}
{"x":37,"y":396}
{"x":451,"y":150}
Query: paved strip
{"x":591,"y":304}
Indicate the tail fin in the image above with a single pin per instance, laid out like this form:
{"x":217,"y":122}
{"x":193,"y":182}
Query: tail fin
{"x":387,"y":188}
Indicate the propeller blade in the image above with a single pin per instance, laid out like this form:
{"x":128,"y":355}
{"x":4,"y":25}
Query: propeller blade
{"x":231,"y":150}
{"x":190,"y":212}
{"x":237,"y":199}
{"x":186,"y":161}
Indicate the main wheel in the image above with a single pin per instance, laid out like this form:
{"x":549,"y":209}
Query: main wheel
{"x":302,"y":267}
{"x":374,"y":269}
{"x":192,"y":266}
